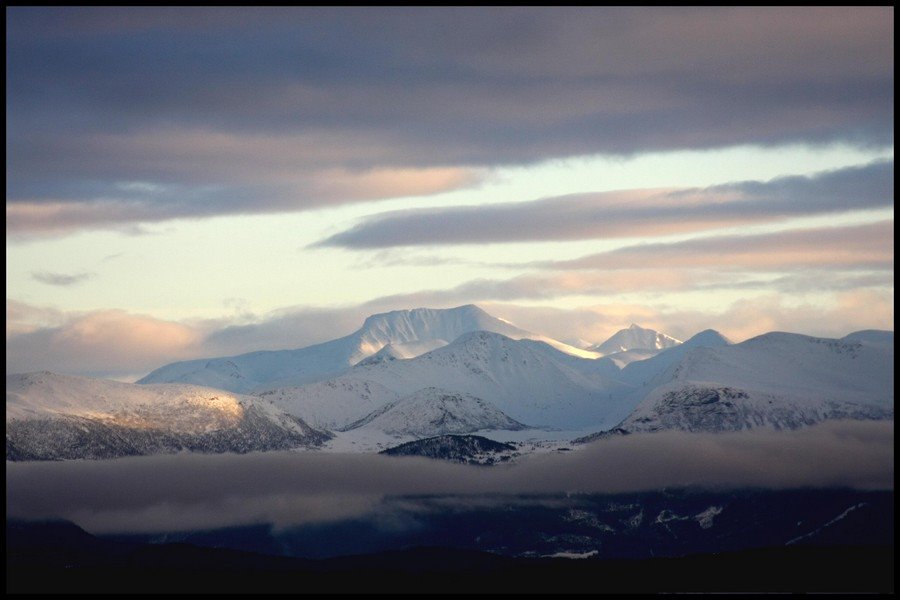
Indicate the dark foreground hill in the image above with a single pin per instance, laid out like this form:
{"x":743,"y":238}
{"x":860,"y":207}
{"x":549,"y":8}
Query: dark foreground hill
{"x":671,"y":541}
{"x":70,"y":561}
{"x":468,"y":449}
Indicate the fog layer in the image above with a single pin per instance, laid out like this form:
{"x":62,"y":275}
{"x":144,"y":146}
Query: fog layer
{"x":178,"y":492}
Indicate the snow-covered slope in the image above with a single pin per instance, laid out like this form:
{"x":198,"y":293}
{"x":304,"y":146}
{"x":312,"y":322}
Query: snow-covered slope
{"x":650,"y":372}
{"x":402,"y":351}
{"x":332,"y":404}
{"x":409,"y":332}
{"x":776,"y":380}
{"x":50,"y":416}
{"x":527,"y":380}
{"x":872,"y":337}
{"x":635,"y":338}
{"x":432,"y":411}
{"x":626,"y":357}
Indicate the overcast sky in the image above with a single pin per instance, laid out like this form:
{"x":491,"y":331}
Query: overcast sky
{"x":189,"y":182}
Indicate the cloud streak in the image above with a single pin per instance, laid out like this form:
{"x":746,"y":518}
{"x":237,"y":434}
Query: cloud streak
{"x":630,"y":212}
{"x":195,"y":491}
{"x":284,"y":109}
{"x":869,"y":246}
{"x":61,"y":279}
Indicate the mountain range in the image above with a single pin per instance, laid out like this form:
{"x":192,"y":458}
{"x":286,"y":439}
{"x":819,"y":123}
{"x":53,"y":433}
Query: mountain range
{"x":421,"y":373}
{"x":400,"y":334}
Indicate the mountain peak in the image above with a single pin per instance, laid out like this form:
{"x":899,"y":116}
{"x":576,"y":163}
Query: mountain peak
{"x":420,"y":324}
{"x":633,"y":338}
{"x":708,"y":338}
{"x":470,"y":309}
{"x":871,"y":336}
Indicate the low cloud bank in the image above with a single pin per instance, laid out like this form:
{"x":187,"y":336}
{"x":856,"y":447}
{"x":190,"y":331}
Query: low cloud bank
{"x":166,"y":493}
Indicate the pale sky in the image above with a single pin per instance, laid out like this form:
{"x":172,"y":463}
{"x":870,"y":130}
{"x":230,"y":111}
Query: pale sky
{"x":192,"y":182}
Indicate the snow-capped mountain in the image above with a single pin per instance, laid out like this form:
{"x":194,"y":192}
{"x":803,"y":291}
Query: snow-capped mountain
{"x":776,"y":380}
{"x":52,"y":417}
{"x":432,"y":412}
{"x":530,"y":381}
{"x":425,"y":372}
{"x":650,"y":372}
{"x":408,"y":332}
{"x":635,"y":338}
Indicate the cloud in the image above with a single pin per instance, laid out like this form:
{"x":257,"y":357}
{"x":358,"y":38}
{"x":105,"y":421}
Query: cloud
{"x":106,"y":342}
{"x":166,"y":493}
{"x":286,"y":328}
{"x":544,"y":285}
{"x":802,"y":270}
{"x":122,"y":204}
{"x":848,"y":311}
{"x":630,"y":212}
{"x":61,"y":279}
{"x":246,"y":110}
{"x":116,"y":343}
{"x":25,"y":318}
{"x":868,"y":246}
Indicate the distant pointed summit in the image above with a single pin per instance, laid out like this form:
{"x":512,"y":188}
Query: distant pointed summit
{"x":635,"y":337}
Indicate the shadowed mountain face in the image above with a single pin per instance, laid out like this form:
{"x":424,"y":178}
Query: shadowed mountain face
{"x":61,"y":558}
{"x":468,"y":449}
{"x":626,"y":525}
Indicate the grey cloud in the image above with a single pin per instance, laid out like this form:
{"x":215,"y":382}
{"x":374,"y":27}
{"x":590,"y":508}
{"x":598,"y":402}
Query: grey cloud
{"x":113,"y":343}
{"x":193,"y":491}
{"x":285,"y":329}
{"x":799,"y":283}
{"x":61,"y":279}
{"x":650,"y":282}
{"x":867,"y":246}
{"x":97,"y":96}
{"x":629,"y":213}
{"x":99,"y":343}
